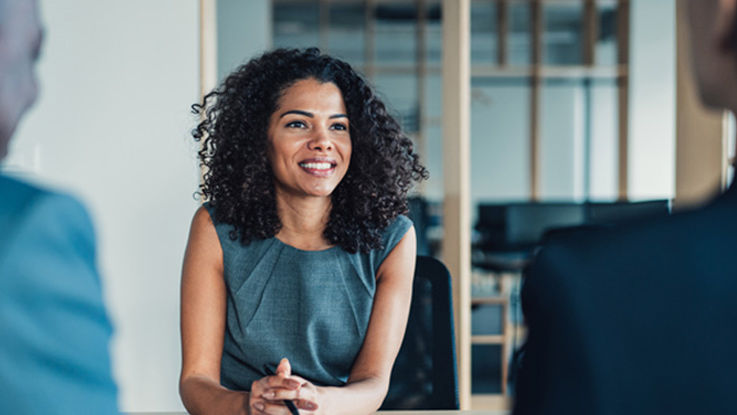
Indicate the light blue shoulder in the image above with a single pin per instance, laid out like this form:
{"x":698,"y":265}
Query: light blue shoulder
{"x":23,"y":200}
{"x":46,"y":219}
{"x":63,"y":215}
{"x":16,"y":196}
{"x":32,"y":210}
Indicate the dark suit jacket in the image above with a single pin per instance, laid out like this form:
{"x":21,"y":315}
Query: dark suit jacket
{"x":54,"y":331}
{"x":637,"y":319}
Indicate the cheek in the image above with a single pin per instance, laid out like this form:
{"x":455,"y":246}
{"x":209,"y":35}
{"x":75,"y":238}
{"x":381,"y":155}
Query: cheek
{"x":348,"y":156}
{"x":275,"y":150}
{"x":285,"y":147}
{"x":272,"y":156}
{"x":347,"y":150}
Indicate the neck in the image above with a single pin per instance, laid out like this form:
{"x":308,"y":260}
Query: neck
{"x":303,"y":220}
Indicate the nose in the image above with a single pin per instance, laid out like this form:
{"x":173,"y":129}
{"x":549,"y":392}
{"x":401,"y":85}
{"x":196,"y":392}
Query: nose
{"x":320,"y":141}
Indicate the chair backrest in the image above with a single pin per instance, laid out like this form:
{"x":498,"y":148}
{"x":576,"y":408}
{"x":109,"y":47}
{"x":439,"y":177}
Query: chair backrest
{"x":613,"y":212}
{"x":424,"y":374}
{"x":519,"y":226}
{"x":418,"y":212}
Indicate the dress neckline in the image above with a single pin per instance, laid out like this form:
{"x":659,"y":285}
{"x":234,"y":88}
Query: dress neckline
{"x":317,"y":251}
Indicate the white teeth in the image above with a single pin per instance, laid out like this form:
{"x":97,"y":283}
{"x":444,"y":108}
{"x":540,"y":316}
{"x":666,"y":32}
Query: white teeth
{"x":317,"y":166}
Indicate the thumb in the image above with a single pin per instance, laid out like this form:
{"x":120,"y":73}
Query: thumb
{"x":284,"y":368}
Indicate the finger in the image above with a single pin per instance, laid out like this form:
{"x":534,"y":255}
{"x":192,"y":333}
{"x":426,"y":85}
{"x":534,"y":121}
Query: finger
{"x":284,"y":368}
{"x":253,"y":410}
{"x":271,"y":408}
{"x":256,"y":406}
{"x":274,"y":382}
{"x":302,"y":381}
{"x":259,"y":386}
{"x":305,"y":404}
{"x":291,"y":394}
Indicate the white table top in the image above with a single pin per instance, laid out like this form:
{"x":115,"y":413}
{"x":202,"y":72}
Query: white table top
{"x":378,"y":413}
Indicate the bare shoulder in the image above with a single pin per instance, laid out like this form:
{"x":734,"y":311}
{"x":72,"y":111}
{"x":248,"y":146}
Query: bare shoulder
{"x":203,"y":239}
{"x":202,"y":225}
{"x":408,"y":243}
{"x":202,"y":218}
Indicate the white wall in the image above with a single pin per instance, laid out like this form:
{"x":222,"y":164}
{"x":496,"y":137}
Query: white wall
{"x":652,"y":99}
{"x":243,"y":30}
{"x":499,"y":143}
{"x":562,"y":142}
{"x":604,"y":151}
{"x":112,"y":126}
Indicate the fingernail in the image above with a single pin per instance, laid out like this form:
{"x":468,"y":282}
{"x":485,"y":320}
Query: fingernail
{"x":311,"y":406}
{"x":270,"y":394}
{"x":259,"y":406}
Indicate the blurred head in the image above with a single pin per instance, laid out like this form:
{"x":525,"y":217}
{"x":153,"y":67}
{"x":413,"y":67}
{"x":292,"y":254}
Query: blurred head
{"x":277,"y":121}
{"x":20,"y":42}
{"x":713,"y":27}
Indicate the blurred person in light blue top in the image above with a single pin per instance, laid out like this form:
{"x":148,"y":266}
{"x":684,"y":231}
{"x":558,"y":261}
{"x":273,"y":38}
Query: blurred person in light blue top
{"x":54,"y":330}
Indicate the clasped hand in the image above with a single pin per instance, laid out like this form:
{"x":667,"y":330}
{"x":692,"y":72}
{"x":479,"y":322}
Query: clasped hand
{"x":268,"y":393}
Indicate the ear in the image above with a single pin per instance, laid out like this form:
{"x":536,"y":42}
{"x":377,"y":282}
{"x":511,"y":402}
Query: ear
{"x":725,"y":26}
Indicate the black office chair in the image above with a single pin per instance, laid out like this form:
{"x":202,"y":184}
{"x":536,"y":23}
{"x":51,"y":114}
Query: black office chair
{"x":424,"y":374}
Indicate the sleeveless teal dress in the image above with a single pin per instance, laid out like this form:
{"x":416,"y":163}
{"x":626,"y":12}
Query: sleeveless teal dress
{"x":312,"y":307}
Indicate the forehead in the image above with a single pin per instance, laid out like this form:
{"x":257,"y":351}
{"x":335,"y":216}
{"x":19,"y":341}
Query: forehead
{"x":312,"y":94}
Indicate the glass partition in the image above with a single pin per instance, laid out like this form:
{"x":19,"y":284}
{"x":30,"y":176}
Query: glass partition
{"x":296,"y":24}
{"x":347,"y":31}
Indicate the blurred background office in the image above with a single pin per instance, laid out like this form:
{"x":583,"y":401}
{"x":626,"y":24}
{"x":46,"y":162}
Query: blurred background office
{"x":579,"y":112}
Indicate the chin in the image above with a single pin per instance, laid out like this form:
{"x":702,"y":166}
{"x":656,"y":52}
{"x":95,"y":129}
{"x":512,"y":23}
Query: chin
{"x":320,"y":193}
{"x":319,"y":189}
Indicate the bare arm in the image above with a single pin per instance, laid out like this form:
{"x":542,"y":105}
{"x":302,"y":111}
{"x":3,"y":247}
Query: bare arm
{"x":203,"y":302}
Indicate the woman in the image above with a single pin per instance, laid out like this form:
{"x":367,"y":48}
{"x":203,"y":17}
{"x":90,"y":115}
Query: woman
{"x":301,"y":262}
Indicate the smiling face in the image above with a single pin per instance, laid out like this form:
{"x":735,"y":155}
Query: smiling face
{"x":309,"y":139}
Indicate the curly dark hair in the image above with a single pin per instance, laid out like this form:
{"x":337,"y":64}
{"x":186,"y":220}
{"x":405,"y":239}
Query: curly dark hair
{"x":238,"y":179}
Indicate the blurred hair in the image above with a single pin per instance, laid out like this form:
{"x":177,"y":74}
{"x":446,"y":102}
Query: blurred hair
{"x":239,"y":181}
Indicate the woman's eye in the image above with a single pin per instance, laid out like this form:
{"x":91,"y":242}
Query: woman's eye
{"x":296,"y":124}
{"x":340,"y":127}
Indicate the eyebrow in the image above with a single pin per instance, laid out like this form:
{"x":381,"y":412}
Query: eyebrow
{"x":311,"y":115}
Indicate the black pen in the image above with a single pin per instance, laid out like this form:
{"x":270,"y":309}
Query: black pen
{"x":287,"y":402}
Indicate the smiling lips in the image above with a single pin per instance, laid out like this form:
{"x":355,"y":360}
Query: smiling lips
{"x":318,"y":167}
